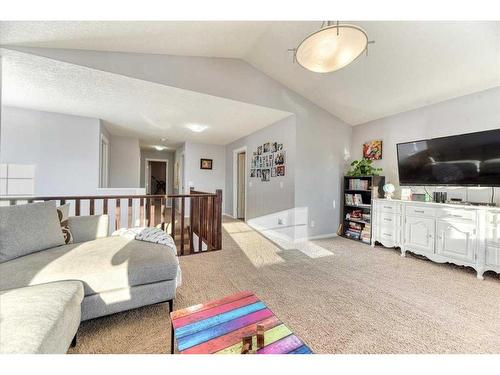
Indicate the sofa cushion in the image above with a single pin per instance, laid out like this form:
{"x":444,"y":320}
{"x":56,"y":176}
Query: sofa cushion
{"x":102,"y":265}
{"x":40,"y":319}
{"x":27,"y":228}
{"x":88,"y":228}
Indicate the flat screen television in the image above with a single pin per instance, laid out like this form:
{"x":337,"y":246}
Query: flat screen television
{"x":462,"y":160}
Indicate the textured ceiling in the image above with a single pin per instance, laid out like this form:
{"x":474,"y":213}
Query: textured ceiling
{"x":128,"y":106}
{"x":412,"y":64}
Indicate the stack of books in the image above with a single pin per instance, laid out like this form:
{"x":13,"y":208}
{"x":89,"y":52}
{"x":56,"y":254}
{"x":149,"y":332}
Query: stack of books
{"x":353,"y":199}
{"x":356,"y":184}
{"x":353,"y":230}
{"x":366,"y":234}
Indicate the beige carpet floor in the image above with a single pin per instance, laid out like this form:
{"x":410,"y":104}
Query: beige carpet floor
{"x":339,"y":296}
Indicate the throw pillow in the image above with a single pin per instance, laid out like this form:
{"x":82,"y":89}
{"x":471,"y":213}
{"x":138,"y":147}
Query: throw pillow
{"x":62,"y":211}
{"x":28,"y":228}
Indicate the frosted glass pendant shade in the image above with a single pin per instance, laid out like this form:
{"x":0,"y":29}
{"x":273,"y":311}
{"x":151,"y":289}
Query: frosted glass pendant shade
{"x":331,"y":48}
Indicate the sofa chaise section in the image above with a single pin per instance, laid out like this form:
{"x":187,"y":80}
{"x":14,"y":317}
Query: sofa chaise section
{"x":117,"y":273}
{"x":40,"y":319}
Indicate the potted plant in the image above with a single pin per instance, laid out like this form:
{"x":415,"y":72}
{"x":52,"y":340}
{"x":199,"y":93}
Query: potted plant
{"x":363,"y":167}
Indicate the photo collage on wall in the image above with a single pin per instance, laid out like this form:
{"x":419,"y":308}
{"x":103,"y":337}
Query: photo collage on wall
{"x":268,"y":161}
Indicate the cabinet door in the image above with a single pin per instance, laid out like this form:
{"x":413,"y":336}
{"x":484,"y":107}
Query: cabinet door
{"x":419,"y":234}
{"x":456,"y":240}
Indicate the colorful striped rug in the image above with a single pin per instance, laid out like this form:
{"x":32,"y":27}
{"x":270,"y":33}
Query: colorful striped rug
{"x":218,"y":327}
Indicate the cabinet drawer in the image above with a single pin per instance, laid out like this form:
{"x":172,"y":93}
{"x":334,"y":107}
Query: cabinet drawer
{"x":390,"y":207}
{"x":493,"y":218}
{"x":389,"y":219}
{"x":492,"y":255}
{"x":420,"y":211}
{"x":388,"y":234}
{"x":453,"y":213}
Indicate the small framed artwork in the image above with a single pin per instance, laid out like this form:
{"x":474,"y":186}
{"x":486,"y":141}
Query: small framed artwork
{"x":266,"y":174}
{"x":372,"y":150}
{"x":252,"y":173}
{"x":273,"y":172}
{"x":280,"y":170}
{"x":279,"y":158}
{"x":267,"y":147}
{"x":206,"y":163}
{"x":274,"y":147}
{"x":259,"y":150}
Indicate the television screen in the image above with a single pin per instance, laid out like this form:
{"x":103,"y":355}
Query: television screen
{"x":467,"y":159}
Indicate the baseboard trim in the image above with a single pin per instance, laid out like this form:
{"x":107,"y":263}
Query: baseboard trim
{"x":231,"y":216}
{"x":323,"y":236}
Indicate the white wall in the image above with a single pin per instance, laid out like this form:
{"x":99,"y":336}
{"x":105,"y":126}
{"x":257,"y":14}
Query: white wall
{"x":204,"y":179}
{"x":63,"y":148}
{"x":470,"y":113}
{"x":124,"y":162}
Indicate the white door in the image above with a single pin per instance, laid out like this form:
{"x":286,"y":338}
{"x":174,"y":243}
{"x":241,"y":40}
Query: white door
{"x":419,"y":234}
{"x":456,"y":240}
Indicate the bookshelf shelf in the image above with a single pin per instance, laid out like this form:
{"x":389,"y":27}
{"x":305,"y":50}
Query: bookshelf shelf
{"x":357,"y":206}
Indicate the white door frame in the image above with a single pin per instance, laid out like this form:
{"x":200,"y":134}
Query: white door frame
{"x":235,"y":180}
{"x":103,"y":174}
{"x":147,"y":176}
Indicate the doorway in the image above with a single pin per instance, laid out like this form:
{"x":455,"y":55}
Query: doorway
{"x":156,"y":176}
{"x":240,"y":184}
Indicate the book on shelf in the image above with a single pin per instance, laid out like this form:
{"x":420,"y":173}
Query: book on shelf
{"x":358,"y":184}
{"x":353,"y":199}
{"x":366,"y":234}
{"x":352,"y":234}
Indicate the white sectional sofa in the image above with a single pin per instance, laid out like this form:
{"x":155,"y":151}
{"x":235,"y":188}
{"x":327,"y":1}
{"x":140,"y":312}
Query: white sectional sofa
{"x":95,"y":276}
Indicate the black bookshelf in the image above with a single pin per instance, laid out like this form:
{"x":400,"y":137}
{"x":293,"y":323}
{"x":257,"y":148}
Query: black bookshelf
{"x":357,"y":195}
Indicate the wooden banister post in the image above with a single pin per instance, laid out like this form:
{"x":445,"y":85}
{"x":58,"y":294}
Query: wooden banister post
{"x":218,"y":216}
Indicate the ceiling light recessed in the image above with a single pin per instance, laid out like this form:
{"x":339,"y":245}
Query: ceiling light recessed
{"x":331,"y":48}
{"x":160,"y":147}
{"x":197,"y":128}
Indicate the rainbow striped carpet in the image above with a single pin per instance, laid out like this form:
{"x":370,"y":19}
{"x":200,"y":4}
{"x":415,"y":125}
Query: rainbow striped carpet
{"x":217,"y":327}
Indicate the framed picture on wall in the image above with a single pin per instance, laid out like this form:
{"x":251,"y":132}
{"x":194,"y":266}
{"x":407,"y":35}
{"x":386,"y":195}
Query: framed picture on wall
{"x":206,"y":163}
{"x":372,"y":150}
{"x":280,"y":170}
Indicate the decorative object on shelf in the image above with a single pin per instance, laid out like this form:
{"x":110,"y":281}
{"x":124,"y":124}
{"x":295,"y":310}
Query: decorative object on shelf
{"x":331,"y":48}
{"x":206,"y":163}
{"x":363,"y":167}
{"x":389,"y":191}
{"x":406,"y":194}
{"x":372,"y":150}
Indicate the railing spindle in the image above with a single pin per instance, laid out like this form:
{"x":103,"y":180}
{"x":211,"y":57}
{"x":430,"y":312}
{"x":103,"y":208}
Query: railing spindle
{"x":92,"y":207}
{"x":172,"y":224}
{"x":152,"y":218}
{"x":77,"y":207}
{"x":162,"y":218}
{"x":105,"y":206}
{"x":200,"y":214}
{"x":182,"y":225}
{"x":129,"y":218}
{"x":117,"y":214}
{"x":142,"y":220}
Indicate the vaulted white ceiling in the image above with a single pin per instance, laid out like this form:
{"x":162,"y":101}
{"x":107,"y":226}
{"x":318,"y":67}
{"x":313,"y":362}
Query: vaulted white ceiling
{"x":412,"y":64}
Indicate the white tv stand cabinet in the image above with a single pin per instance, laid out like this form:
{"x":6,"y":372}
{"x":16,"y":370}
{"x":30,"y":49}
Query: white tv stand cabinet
{"x":444,"y":233}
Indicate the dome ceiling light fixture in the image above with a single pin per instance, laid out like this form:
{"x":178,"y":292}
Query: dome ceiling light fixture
{"x":331,"y":48}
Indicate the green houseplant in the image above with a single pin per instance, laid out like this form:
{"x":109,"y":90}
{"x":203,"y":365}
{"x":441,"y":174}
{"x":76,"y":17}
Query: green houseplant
{"x":363,"y":167}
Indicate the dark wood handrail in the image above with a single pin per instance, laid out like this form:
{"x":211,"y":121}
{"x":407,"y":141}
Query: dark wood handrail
{"x":87,"y":197}
{"x":205,"y":214}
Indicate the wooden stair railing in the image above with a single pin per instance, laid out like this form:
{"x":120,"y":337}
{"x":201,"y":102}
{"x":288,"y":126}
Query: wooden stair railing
{"x":200,"y":232}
